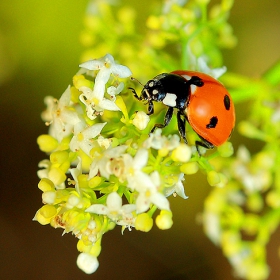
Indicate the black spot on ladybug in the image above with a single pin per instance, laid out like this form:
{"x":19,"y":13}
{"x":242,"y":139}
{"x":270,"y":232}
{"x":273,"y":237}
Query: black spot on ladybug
{"x":227,"y":102}
{"x":212,"y":123}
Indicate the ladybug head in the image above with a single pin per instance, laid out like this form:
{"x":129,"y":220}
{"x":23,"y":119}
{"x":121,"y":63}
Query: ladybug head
{"x":154,"y":89}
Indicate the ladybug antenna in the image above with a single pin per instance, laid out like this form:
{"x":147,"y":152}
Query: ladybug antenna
{"x":134,"y":79}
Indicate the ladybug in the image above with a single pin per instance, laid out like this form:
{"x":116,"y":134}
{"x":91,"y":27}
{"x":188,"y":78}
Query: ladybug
{"x":199,"y":99}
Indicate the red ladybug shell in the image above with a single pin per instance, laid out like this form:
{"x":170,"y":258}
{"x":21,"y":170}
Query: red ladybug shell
{"x":209,"y":110}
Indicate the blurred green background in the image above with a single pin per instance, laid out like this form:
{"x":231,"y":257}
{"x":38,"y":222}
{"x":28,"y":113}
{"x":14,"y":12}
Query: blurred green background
{"x":39,"y":53}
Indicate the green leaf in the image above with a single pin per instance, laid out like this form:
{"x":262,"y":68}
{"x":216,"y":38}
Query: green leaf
{"x":272,"y":76}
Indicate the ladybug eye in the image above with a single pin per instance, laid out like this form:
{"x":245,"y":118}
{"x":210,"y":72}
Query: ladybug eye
{"x":227,"y":102}
{"x":212,"y":123}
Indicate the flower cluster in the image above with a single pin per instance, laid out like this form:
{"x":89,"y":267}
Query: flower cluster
{"x":103,"y":168}
{"x":241,"y":217}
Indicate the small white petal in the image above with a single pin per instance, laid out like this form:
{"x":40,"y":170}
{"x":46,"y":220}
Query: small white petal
{"x":103,"y":76}
{"x":87,"y":263}
{"x":116,"y":151}
{"x":93,"y":130}
{"x":121,"y":71}
{"x":93,"y":64}
{"x":87,"y":94}
{"x":45,"y":163}
{"x":142,"y":203}
{"x":93,"y":169}
{"x":98,"y":209}
{"x":107,"y":104}
{"x":114,"y":201}
{"x":141,"y":158}
{"x":180,"y":190}
{"x":70,"y":117}
{"x":108,"y":58}
{"x":99,"y":90}
{"x":155,"y":178}
{"x":160,"y":201}
{"x":143,"y":181}
{"x":128,"y":208}
{"x":48,"y":197}
{"x":65,"y":97}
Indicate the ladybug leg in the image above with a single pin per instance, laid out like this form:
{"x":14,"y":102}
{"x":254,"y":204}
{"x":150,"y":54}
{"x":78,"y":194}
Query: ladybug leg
{"x":135,"y":94}
{"x":182,"y":126}
{"x":203,"y":143}
{"x":167,"y":119}
{"x":150,"y":108}
{"x":140,"y":98}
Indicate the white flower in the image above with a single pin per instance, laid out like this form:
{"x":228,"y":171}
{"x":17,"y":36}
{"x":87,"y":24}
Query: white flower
{"x":106,"y":66}
{"x":215,"y":72}
{"x":177,"y":188}
{"x":96,"y":104}
{"x":114,"y":209}
{"x":113,"y":91}
{"x":253,"y":178}
{"x":141,"y":120}
{"x":149,"y":193}
{"x":157,"y":141}
{"x":94,"y":99}
{"x":104,"y":142}
{"x":133,"y":167}
{"x":200,"y":64}
{"x":87,"y":263}
{"x":83,"y":139}
{"x":61,"y":118}
{"x":110,"y":162}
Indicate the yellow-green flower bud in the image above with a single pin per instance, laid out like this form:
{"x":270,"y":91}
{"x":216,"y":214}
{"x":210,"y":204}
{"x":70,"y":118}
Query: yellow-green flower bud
{"x":251,"y":224}
{"x":182,"y":153}
{"x":48,"y":197}
{"x":47,"y":143}
{"x":83,"y":246}
{"x":227,"y":5}
{"x":255,"y":202}
{"x":154,"y":22}
{"x":57,"y":176}
{"x":141,"y":120}
{"x":189,"y":168}
{"x":46,"y":185}
{"x":213,"y":178}
{"x":143,"y":222}
{"x":81,"y":81}
{"x":95,"y":181}
{"x":59,"y":157}
{"x":273,"y":199}
{"x":226,"y":150}
{"x":164,"y":220}
{"x":45,"y":214}
{"x":163,"y":152}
